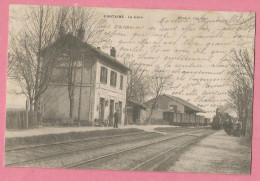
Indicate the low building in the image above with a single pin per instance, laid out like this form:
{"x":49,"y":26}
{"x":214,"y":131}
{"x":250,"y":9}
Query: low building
{"x":98,"y":90}
{"x":136,"y":113}
{"x":174,"y":110}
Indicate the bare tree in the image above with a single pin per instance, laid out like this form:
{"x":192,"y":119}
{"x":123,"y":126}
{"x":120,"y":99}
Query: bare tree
{"x":67,"y":70}
{"x":31,"y":66}
{"x":11,"y":65}
{"x":137,"y":86}
{"x":82,"y":18}
{"x":87,"y":27}
{"x":241,"y":79}
{"x":33,"y":55}
{"x":158,"y":83}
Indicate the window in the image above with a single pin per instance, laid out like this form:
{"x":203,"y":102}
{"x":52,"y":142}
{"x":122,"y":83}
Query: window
{"x":121,"y":82}
{"x":113,"y":79}
{"x":103,"y":75}
{"x":173,"y":107}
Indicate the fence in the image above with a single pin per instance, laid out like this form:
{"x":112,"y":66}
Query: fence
{"x":20,"y":119}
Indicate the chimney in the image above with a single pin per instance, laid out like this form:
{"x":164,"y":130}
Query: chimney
{"x":113,"y":52}
{"x":81,"y":33}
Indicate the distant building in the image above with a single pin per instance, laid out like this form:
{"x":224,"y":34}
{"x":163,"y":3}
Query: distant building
{"x":174,"y":110}
{"x":103,"y":87}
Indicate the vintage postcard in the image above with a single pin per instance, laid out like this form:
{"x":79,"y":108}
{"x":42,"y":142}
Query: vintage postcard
{"x":130,"y":89}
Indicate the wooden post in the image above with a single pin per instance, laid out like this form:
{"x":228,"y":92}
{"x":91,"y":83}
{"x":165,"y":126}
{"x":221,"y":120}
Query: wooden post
{"x":196,"y":124}
{"x":27,"y":119}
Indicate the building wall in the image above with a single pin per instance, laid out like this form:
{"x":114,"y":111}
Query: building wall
{"x":143,"y":116}
{"x":55,"y":101}
{"x":157,"y":114}
{"x":163,"y":103}
{"x":109,"y":93}
{"x":157,"y":117}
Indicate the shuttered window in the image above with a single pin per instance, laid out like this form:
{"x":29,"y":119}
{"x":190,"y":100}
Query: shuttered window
{"x":113,"y":77}
{"x":121,"y":82}
{"x":103,"y":75}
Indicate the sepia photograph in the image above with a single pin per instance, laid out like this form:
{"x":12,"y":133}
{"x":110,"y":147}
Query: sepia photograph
{"x":130,"y":89}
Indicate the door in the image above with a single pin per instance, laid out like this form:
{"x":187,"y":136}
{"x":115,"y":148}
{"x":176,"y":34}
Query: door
{"x":101,"y":109}
{"x":120,"y":112}
{"x":111,"y":112}
{"x":168,"y":116}
{"x":136,"y":114}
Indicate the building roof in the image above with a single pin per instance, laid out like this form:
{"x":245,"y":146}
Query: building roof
{"x":138,"y":104}
{"x":185,"y":103}
{"x":106,"y":57}
{"x":182,"y":101}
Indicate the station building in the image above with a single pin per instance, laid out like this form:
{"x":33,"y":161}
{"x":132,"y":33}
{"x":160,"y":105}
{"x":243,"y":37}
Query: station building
{"x":174,"y":110}
{"x":99,"y":86}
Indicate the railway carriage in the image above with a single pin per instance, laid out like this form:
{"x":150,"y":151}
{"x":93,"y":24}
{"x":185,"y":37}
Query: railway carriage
{"x":180,"y":119}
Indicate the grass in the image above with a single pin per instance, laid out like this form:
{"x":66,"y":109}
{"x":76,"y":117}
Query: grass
{"x":245,"y":141}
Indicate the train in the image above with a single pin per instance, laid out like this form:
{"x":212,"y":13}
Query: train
{"x":182,"y":119}
{"x":220,"y":119}
{"x":217,"y":123}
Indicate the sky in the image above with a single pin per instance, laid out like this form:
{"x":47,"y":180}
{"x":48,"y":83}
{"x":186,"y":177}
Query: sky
{"x":191,"y":46}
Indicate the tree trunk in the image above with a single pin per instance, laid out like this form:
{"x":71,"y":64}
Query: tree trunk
{"x":149,"y":119}
{"x":249,"y":124}
{"x":152,"y":108}
{"x":37,"y":112}
{"x":31,"y":105}
{"x":36,"y":105}
{"x":71,"y":106}
{"x":244,"y":123}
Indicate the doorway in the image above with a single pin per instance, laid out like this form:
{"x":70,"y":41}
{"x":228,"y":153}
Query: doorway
{"x":111,"y":112}
{"x":168,"y":116}
{"x":120,"y":111}
{"x":102,"y":109}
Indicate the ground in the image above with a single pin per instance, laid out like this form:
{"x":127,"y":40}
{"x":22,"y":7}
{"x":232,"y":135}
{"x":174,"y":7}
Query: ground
{"x":218,"y":153}
{"x":59,"y":130}
{"x":142,"y":148}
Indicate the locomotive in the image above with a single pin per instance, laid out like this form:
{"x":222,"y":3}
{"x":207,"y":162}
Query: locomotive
{"x":217,"y":123}
{"x":223,"y":120}
{"x":219,"y":119}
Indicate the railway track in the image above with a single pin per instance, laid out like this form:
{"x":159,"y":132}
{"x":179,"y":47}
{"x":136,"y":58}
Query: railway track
{"x":159,"y":159}
{"x":91,"y":139}
{"x":76,"y":165}
{"x":72,"y":149}
{"x":81,"y":146}
{"x":73,"y":141}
